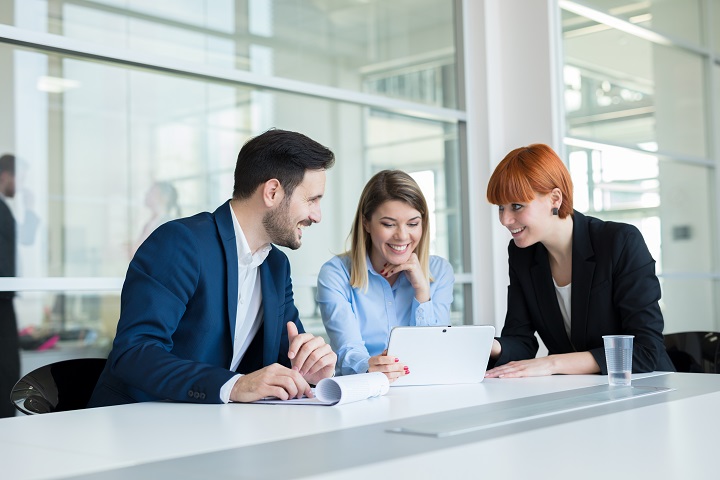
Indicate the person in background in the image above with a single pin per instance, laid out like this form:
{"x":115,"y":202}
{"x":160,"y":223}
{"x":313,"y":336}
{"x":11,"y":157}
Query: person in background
{"x":387,"y":278}
{"x":162,"y":201}
{"x":10,"y":235}
{"x":207,"y":311}
{"x":573,"y":278}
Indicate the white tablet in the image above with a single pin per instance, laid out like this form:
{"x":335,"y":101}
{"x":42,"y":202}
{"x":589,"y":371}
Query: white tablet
{"x":443,"y":354}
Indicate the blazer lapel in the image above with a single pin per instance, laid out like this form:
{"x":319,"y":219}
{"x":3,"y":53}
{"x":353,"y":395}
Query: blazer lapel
{"x":223,"y":219}
{"x":272,"y":324}
{"x":583,"y":269}
{"x":547,"y":298}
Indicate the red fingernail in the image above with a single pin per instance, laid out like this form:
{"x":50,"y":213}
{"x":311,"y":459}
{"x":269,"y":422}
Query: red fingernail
{"x":397,"y":359}
{"x":381,"y":271}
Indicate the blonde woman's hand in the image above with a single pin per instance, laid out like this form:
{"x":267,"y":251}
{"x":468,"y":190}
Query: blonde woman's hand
{"x":414,"y":273}
{"x":389,"y":365}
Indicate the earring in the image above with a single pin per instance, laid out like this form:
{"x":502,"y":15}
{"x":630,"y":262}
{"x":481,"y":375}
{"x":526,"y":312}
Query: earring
{"x":555,"y":211}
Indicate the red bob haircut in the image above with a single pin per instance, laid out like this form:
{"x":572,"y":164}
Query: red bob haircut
{"x":527,"y":172}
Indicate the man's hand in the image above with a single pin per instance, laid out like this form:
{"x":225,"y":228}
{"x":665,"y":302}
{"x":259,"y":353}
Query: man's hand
{"x":310,"y":355}
{"x":271,"y":381}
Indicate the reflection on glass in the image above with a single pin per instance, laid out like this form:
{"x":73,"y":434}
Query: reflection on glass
{"x":681,"y":19}
{"x":669,"y":202}
{"x":402,"y":49}
{"x":66,"y":322}
{"x":614,"y":179}
{"x":161,"y":201}
{"x":98,"y":138}
{"x":622,"y":89}
{"x":19,"y":221}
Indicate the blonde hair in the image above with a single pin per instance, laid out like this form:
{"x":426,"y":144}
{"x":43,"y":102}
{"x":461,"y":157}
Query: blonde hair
{"x":386,"y":186}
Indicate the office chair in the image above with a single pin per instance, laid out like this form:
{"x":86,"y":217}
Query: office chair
{"x":695,"y":352}
{"x":57,"y":387}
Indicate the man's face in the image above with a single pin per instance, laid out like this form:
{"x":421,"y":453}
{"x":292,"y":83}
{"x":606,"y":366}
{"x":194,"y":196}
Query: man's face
{"x":285,"y":222}
{"x":7,"y":184}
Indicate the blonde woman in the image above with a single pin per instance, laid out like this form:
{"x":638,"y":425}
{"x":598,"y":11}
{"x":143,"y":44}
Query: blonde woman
{"x":387,"y":278}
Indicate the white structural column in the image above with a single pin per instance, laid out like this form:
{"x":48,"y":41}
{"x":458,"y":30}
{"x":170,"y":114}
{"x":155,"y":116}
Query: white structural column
{"x":511,"y":70}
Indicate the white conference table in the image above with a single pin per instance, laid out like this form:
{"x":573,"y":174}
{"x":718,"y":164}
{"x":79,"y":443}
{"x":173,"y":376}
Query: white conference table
{"x":517,"y":428}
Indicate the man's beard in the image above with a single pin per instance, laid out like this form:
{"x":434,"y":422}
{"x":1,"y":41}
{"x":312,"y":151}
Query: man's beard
{"x":280,"y":228}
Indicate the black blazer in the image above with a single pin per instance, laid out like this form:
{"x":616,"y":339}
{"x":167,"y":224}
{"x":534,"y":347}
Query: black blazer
{"x":614,"y":291}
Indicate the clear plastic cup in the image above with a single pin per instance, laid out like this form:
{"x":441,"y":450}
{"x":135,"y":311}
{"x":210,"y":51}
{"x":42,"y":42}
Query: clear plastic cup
{"x":618,"y":355}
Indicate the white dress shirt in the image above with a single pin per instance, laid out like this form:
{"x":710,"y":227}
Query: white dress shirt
{"x":249,"y":314}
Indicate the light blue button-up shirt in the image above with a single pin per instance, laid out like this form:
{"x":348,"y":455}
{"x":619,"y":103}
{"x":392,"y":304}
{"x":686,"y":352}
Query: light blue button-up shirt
{"x":359,"y":323}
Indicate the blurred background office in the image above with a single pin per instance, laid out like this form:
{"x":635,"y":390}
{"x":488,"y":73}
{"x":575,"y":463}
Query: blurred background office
{"x":104,"y":98}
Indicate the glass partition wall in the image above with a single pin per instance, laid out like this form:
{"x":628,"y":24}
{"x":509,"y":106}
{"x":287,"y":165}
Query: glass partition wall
{"x":124,"y":114}
{"x":641,"y":102}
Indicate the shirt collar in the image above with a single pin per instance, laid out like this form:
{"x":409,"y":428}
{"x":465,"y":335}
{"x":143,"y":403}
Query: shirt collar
{"x":245,"y":257}
{"x":369,"y":264}
{"x":371,"y":269}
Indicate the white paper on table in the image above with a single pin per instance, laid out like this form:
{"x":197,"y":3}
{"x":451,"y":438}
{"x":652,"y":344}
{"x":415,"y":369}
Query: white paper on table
{"x":340,"y":390}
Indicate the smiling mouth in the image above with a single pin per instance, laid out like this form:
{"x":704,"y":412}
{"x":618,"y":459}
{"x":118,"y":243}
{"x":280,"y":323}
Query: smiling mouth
{"x":398,"y":248}
{"x":515,"y":231}
{"x":302,"y":225}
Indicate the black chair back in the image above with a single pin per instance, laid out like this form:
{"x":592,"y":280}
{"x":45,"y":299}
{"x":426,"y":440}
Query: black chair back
{"x":57,"y":387}
{"x":694,"y":352}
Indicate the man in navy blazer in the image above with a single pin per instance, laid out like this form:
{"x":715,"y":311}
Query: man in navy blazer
{"x":207,"y":311}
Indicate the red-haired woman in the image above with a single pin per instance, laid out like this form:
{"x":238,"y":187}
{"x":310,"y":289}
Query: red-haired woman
{"x":573,"y":278}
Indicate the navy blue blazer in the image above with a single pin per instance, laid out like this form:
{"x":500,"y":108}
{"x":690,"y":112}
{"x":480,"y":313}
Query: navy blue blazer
{"x":178,"y":311}
{"x":614,"y":291}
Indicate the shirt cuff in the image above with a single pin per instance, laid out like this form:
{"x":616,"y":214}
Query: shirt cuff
{"x":359,"y":367}
{"x":226,"y":389}
{"x":424,"y":313}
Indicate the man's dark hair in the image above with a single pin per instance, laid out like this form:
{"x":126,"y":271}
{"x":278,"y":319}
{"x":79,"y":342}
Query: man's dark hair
{"x":278,"y":154}
{"x":7,"y":163}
